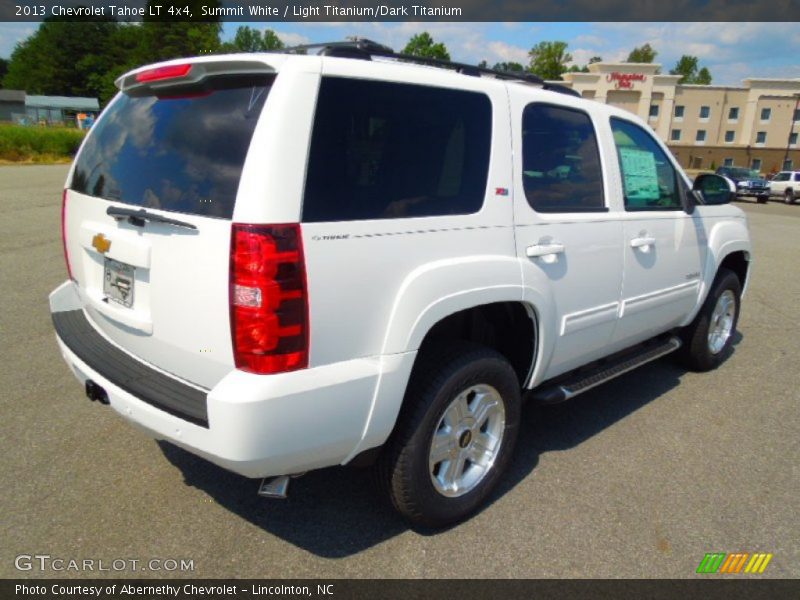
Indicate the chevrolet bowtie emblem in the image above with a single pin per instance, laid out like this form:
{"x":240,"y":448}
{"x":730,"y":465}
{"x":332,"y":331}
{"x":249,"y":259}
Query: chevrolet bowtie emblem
{"x":100,"y":243}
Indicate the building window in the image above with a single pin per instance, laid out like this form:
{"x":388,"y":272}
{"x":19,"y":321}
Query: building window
{"x":766,"y":113}
{"x":676,"y":135}
{"x":787,"y":164}
{"x":793,"y":139}
{"x":729,"y":135}
{"x":653,"y":111}
{"x":761,"y":137}
{"x":796,"y":114}
{"x":733,"y":113}
{"x":756,"y":164}
{"x":727,"y":162}
{"x":705,"y":112}
{"x":679,"y":111}
{"x":700,"y":136}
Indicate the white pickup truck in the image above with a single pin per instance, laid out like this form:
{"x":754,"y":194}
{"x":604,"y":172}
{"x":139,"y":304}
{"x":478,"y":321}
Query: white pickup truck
{"x":283,"y":262}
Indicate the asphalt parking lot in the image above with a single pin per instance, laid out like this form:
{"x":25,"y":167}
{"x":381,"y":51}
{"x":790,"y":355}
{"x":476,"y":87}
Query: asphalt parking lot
{"x":637,"y":478}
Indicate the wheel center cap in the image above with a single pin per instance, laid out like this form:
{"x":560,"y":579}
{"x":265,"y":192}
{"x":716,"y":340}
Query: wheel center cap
{"x":465,"y":438}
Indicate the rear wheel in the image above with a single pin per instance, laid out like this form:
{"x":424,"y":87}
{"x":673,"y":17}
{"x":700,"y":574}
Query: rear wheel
{"x":710,"y":336}
{"x":455,"y":434}
{"x":788,"y":197}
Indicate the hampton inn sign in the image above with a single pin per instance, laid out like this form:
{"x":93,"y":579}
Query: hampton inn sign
{"x":625,"y":80}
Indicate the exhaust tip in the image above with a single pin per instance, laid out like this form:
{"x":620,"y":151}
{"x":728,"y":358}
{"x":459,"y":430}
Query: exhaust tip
{"x":274,"y":487}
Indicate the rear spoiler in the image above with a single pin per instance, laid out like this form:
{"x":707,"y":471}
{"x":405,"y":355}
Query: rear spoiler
{"x":171,"y":74}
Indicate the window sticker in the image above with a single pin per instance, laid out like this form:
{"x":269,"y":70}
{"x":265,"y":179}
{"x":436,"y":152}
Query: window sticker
{"x":639,"y":175}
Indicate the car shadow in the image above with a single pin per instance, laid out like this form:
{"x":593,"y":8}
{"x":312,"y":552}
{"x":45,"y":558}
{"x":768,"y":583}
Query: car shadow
{"x":338,"y":512}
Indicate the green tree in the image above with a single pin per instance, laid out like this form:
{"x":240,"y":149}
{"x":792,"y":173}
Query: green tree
{"x":248,"y":39}
{"x":549,"y":59}
{"x":422,"y":44}
{"x":513,"y":67}
{"x":3,"y":69}
{"x":687,"y":68}
{"x":163,"y":40}
{"x":65,"y":58}
{"x":642,"y":54}
{"x":483,"y":64}
{"x":595,"y":59}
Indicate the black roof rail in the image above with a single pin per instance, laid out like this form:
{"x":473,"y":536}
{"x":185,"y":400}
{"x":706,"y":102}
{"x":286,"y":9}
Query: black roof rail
{"x":364,"y":49}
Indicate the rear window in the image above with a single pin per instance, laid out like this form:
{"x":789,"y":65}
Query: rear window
{"x":386,"y":150}
{"x":181,"y":153}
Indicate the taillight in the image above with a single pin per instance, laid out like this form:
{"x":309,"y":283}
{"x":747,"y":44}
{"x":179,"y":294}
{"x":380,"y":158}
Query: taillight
{"x":64,"y":232}
{"x":268,"y":298}
{"x":160,"y":73}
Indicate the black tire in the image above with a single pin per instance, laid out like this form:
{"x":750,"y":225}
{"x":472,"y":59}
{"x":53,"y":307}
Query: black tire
{"x":788,"y":197}
{"x":439,"y":376}
{"x":696,"y":352}
{"x":762,"y":199}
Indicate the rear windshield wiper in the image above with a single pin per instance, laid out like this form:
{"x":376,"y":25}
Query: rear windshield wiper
{"x":138,"y":217}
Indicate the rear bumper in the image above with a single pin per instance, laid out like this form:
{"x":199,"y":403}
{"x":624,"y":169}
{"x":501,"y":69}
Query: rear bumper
{"x":254,"y":425}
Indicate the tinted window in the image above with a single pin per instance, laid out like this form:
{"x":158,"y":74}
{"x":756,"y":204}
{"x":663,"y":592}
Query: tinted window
{"x":797,"y":176}
{"x":387,"y":150}
{"x":180,"y":153}
{"x":560,"y":161}
{"x":648,"y":177}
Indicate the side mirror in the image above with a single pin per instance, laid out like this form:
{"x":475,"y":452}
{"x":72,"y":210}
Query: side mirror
{"x":714,"y":189}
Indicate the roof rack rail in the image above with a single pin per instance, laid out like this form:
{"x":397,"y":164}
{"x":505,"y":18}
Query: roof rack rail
{"x":365,"y":49}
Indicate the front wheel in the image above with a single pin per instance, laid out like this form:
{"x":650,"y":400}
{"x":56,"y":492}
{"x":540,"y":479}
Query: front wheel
{"x":455,"y":434}
{"x":709,"y":337}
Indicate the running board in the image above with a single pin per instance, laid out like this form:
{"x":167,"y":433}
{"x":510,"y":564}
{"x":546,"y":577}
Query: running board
{"x":582,"y":382}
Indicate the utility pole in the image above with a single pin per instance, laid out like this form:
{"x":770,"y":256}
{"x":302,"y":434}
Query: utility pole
{"x":791,"y":127}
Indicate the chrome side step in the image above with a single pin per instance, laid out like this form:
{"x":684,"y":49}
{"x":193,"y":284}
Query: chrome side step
{"x":584,"y":381}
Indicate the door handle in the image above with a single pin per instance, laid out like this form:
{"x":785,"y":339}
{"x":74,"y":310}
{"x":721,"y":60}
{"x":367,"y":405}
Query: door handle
{"x":643,"y":242}
{"x":544,"y":249}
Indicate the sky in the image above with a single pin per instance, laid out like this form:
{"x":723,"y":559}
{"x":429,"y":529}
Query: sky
{"x":731,"y":51}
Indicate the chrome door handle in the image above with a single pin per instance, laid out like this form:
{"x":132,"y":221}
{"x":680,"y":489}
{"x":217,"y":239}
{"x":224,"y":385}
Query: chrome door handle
{"x":544,"y":249}
{"x":643,"y":242}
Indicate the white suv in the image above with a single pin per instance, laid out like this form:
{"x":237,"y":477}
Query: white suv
{"x":285,"y":262}
{"x":786,"y":185}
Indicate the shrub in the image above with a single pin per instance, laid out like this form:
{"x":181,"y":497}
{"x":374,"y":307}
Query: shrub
{"x":38,"y":144}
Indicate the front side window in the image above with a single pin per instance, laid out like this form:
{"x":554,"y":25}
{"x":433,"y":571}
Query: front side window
{"x":649,"y":179}
{"x":561,"y":169}
{"x":384,"y":150}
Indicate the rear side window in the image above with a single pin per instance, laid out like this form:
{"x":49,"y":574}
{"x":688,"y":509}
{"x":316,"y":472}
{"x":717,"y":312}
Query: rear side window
{"x":181,"y":153}
{"x":386,"y":150}
{"x":561,"y":169}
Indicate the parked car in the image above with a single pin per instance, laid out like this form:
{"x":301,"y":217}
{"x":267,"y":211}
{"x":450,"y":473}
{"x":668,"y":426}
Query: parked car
{"x":748,"y":182}
{"x":286,"y":262}
{"x":786,"y":185}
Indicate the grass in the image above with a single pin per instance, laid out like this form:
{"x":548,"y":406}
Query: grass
{"x":38,"y":144}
